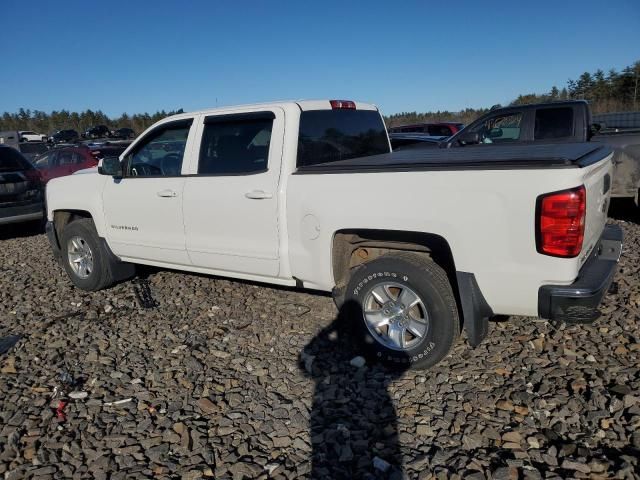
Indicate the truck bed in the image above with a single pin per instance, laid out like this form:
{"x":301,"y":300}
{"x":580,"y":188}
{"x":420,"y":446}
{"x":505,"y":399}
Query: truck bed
{"x":485,"y":157}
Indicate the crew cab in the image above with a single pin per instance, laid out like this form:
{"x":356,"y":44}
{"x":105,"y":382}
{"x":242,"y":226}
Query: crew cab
{"x":413,"y":244}
{"x":561,"y":122}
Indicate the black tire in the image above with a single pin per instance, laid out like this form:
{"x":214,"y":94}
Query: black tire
{"x":101,"y":274}
{"x":437,"y":309}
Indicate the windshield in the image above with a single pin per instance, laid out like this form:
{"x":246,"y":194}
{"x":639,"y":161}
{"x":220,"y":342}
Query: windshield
{"x":333,"y":135}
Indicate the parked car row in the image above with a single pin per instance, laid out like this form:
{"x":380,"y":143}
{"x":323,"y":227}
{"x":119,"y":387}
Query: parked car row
{"x":99,"y":131}
{"x":102,"y":131}
{"x":66,"y":135}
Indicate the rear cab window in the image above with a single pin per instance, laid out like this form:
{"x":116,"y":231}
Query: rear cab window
{"x":553,"y":123}
{"x":332,"y":135}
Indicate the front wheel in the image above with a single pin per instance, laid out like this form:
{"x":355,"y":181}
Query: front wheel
{"x":84,"y":258}
{"x":403,"y":310}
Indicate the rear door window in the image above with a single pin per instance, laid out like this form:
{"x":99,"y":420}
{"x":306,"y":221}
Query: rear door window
{"x":332,"y":135}
{"x":235,"y":144}
{"x":552,"y":123}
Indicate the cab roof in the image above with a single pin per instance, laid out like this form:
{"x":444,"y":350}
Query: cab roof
{"x":303,"y":105}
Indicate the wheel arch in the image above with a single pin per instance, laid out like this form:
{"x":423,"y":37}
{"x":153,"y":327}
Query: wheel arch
{"x":63,"y":217}
{"x":353,"y":247}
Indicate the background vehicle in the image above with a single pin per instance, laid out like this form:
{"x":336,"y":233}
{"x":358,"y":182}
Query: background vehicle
{"x":98,"y":131}
{"x":403,"y":141}
{"x":59,"y":162}
{"x":21,"y":195}
{"x":558,"y":122}
{"x":62,"y":136}
{"x":123,"y":133}
{"x":307,"y":194}
{"x":28,"y":149}
{"x":440,"y":129}
{"x":29,"y":136}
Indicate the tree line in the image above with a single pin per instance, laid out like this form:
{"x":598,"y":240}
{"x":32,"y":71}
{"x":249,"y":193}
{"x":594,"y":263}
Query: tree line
{"x":607,"y":92}
{"x":44,"y":122}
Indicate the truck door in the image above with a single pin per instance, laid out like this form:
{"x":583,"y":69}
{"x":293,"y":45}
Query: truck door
{"x":143,"y":209}
{"x":231,"y":200}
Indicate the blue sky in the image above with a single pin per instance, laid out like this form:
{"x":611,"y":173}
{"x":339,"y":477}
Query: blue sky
{"x":138,"y":56}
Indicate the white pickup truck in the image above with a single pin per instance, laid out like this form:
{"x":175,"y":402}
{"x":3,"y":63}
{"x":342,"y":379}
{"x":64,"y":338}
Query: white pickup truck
{"x":414,"y":245}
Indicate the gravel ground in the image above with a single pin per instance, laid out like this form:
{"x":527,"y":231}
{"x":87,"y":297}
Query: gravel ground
{"x":234,"y":380}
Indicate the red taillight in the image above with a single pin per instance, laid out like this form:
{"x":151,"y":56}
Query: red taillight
{"x":560,"y":222}
{"x":342,"y":104}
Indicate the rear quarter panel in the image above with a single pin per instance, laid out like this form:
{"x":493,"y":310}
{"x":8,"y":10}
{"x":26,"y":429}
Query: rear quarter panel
{"x":486,"y":216}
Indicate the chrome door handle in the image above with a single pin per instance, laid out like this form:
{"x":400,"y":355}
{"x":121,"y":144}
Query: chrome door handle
{"x":258,"y":195}
{"x":167,"y":193}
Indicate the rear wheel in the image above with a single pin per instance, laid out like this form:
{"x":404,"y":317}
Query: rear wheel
{"x":84,"y":258}
{"x":403,"y":310}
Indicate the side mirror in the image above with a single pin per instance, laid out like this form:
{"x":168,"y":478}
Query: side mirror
{"x":110,"y":166}
{"x":469,"y":138}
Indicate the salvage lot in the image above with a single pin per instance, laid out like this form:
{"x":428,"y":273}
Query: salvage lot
{"x":227,"y":379}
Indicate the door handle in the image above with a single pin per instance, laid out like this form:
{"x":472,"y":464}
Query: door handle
{"x":167,"y":193}
{"x":258,"y":195}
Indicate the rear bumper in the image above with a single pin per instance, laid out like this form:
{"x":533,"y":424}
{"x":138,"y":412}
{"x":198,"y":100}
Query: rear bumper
{"x":22,"y":213}
{"x":579,"y":302}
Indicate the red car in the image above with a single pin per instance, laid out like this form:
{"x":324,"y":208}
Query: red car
{"x":59,"y":162}
{"x":440,"y":129}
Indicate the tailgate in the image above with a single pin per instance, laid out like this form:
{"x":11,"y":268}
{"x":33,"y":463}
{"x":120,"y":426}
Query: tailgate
{"x":598,"y":180}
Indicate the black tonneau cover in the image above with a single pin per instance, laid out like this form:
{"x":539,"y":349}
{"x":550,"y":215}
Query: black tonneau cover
{"x":482,"y":157}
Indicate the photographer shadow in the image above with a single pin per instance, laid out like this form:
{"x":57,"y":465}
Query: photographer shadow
{"x":354,"y":430}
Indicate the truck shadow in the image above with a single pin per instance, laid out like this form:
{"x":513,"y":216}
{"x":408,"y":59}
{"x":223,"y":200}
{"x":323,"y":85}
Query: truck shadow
{"x":354,"y":431}
{"x":624,"y":209}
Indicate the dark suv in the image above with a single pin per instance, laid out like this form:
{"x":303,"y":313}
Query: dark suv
{"x":21,"y":191}
{"x":124,"y":132}
{"x":99,"y":131}
{"x":63,"y":136}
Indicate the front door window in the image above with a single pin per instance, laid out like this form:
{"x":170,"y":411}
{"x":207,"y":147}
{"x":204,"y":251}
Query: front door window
{"x":160,"y":155}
